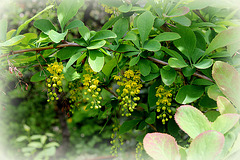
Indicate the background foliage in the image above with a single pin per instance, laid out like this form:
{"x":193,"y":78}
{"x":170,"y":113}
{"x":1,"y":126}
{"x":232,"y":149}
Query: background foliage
{"x":106,"y":79}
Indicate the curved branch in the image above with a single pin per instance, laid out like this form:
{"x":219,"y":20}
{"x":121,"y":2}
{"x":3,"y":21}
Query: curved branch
{"x":179,"y":69}
{"x":41,"y":49}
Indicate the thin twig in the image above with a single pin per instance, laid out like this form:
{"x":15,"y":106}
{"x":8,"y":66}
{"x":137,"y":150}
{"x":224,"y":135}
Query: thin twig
{"x":197,"y":12}
{"x":179,"y":69}
{"x":41,"y":49}
{"x":153,"y":127}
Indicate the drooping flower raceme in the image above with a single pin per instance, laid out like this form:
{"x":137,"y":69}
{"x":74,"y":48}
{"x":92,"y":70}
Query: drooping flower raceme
{"x":130,"y":85}
{"x":55,"y":80}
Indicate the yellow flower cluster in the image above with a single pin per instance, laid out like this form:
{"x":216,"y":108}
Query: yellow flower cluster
{"x":55,"y":80}
{"x":91,"y":87}
{"x":75,"y":90}
{"x":108,"y":9}
{"x":164,"y":95}
{"x":139,"y":150}
{"x":117,"y":140}
{"x":130,"y":85}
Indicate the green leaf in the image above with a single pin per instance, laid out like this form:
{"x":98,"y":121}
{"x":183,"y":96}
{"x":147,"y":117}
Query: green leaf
{"x":152,"y":45}
{"x":39,"y":76}
{"x":191,"y":120}
{"x":227,"y":37}
{"x":109,"y":66}
{"x":70,"y":74}
{"x":110,"y":22}
{"x":126,"y":48}
{"x":206,"y":146}
{"x":150,"y":77}
{"x":145,"y":23}
{"x":35,"y":144}
{"x":13,"y":41}
{"x":3,"y":29}
{"x":57,"y":37}
{"x":96,"y":60}
{"x":67,"y":10}
{"x":52,"y":144}
{"x":152,"y":99}
{"x":202,"y":82}
{"x":128,"y":125}
{"x":161,"y":146}
{"x":84,"y":32}
{"x":176,"y":63}
{"x":43,"y":139}
{"x":213,"y":92}
{"x":225,"y":106}
{"x":187,"y":43}
{"x":167,"y":36}
{"x":115,"y":3}
{"x":154,"y":67}
{"x":20,"y":28}
{"x":188,"y":71}
{"x":204,"y":64}
{"x":188,"y":94}
{"x":74,"y":24}
{"x":197,"y":54}
{"x":28,"y":37}
{"x":67,"y":52}
{"x":134,"y":61}
{"x":96,"y":44}
{"x":36,"y":137}
{"x":151,"y":118}
{"x":173,"y":128}
{"x":44,"y":25}
{"x":183,"y":20}
{"x":144,"y":106}
{"x":120,"y":27}
{"x":125,"y":8}
{"x":104,"y":34}
{"x":178,"y":12}
{"x":74,"y":58}
{"x":144,"y":67}
{"x":173,"y":53}
{"x":227,"y":78}
{"x":207,"y":102}
{"x":235,"y":150}
{"x":21,"y":138}
{"x":212,"y":115}
{"x":225,"y":122}
{"x":168,"y":76}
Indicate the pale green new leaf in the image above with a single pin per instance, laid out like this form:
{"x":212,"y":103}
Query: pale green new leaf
{"x":191,"y":120}
{"x":227,"y":37}
{"x":206,"y":146}
{"x":225,"y":122}
{"x":225,"y":106}
{"x":161,"y":146}
{"x":227,"y":78}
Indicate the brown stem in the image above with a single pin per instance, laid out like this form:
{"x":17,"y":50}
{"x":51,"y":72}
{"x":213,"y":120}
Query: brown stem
{"x":110,"y":91}
{"x":41,"y":49}
{"x":197,"y":12}
{"x":153,"y":127}
{"x":179,"y":69}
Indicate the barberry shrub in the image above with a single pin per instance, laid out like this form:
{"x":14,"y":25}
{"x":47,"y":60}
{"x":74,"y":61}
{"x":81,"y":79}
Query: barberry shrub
{"x":146,"y":61}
